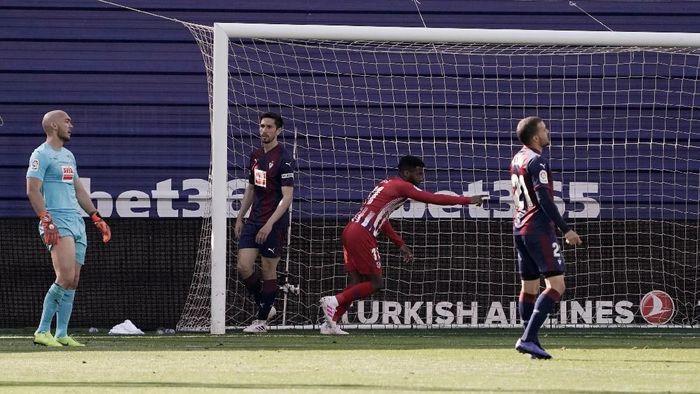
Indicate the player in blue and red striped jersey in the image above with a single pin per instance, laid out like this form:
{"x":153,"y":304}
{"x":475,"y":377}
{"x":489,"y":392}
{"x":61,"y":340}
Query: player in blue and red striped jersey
{"x":269,"y":192}
{"x":362,"y":260}
{"x":534,"y":234}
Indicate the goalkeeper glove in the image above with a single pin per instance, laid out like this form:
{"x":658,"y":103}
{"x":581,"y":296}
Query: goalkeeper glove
{"x":102,"y":226}
{"x":50,"y":230}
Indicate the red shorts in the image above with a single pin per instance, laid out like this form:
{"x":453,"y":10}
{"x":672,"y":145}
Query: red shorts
{"x":360,"y":251}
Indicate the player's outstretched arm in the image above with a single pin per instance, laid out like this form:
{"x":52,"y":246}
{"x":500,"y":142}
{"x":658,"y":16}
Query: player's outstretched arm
{"x":477,"y":200}
{"x":413,"y":192}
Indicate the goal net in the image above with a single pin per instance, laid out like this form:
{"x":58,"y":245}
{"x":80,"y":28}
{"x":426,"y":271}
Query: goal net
{"x":624,"y":154}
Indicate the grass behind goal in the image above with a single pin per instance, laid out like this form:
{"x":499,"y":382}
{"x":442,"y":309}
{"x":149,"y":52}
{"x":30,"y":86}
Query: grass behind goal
{"x":664,"y":360}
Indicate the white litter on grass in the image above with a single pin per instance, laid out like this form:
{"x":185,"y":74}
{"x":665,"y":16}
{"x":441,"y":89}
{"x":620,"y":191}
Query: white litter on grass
{"x":125,"y":328}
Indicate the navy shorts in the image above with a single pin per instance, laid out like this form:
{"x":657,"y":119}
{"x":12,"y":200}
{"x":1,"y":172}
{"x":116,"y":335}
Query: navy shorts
{"x":539,"y":254}
{"x":272,"y":247}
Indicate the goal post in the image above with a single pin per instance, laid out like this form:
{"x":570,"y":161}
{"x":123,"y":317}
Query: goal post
{"x":219,"y":181}
{"x":361,"y":96}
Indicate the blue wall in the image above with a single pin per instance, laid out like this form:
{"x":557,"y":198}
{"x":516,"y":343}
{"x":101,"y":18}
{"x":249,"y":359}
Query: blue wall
{"x":136,"y":89}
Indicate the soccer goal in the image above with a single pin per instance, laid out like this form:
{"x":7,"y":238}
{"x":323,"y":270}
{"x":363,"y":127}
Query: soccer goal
{"x":625,"y":129}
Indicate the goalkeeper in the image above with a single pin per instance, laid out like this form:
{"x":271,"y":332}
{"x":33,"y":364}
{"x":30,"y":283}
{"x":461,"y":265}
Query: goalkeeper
{"x":55,"y":192}
{"x":362,"y":260}
{"x":535,"y":240}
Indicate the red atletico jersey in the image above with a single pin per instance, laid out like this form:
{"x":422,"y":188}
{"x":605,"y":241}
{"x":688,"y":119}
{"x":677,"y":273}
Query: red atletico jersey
{"x":389,"y":195}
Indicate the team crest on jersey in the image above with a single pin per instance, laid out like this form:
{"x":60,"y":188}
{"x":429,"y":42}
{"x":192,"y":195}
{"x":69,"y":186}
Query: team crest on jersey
{"x":34,"y":165}
{"x":68,"y":174}
{"x":543,"y":176}
{"x":272,"y":163}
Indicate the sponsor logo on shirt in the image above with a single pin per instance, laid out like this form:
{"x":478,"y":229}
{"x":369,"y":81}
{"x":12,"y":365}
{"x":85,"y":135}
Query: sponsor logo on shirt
{"x":260,"y":178}
{"x":67,"y":174}
{"x":543,"y":176}
{"x":289,"y":175}
{"x":34,"y":165}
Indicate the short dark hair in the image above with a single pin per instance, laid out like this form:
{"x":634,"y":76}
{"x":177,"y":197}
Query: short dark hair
{"x":527,"y":128}
{"x":409,"y":162}
{"x":273,"y":115}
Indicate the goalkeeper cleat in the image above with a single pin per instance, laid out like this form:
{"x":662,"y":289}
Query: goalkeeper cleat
{"x":328,"y":306}
{"x":46,"y":339}
{"x":68,"y":341}
{"x":531,"y":348}
{"x":257,"y":327}
{"x":334,"y":329}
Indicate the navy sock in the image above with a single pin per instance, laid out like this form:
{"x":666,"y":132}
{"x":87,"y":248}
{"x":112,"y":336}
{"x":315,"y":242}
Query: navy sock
{"x":526,"y":304}
{"x":544,"y":305}
{"x":267,"y":298}
{"x":252,"y":284}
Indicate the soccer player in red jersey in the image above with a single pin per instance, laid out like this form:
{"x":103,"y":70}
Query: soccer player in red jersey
{"x":362,"y":260}
{"x":535,"y":238}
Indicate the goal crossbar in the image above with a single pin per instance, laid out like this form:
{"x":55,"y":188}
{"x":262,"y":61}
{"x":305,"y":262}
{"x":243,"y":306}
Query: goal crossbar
{"x":490,"y":36}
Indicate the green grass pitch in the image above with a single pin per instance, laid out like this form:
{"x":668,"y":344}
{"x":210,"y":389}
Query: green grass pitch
{"x":474,"y":360}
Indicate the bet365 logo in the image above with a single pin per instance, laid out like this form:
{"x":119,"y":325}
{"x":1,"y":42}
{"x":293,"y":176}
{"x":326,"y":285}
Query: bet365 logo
{"x":657,"y":307}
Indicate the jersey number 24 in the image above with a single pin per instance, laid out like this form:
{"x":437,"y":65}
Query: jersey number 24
{"x":521,"y":196}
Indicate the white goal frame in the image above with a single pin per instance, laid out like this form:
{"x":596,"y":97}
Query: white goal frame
{"x":219,"y":122}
